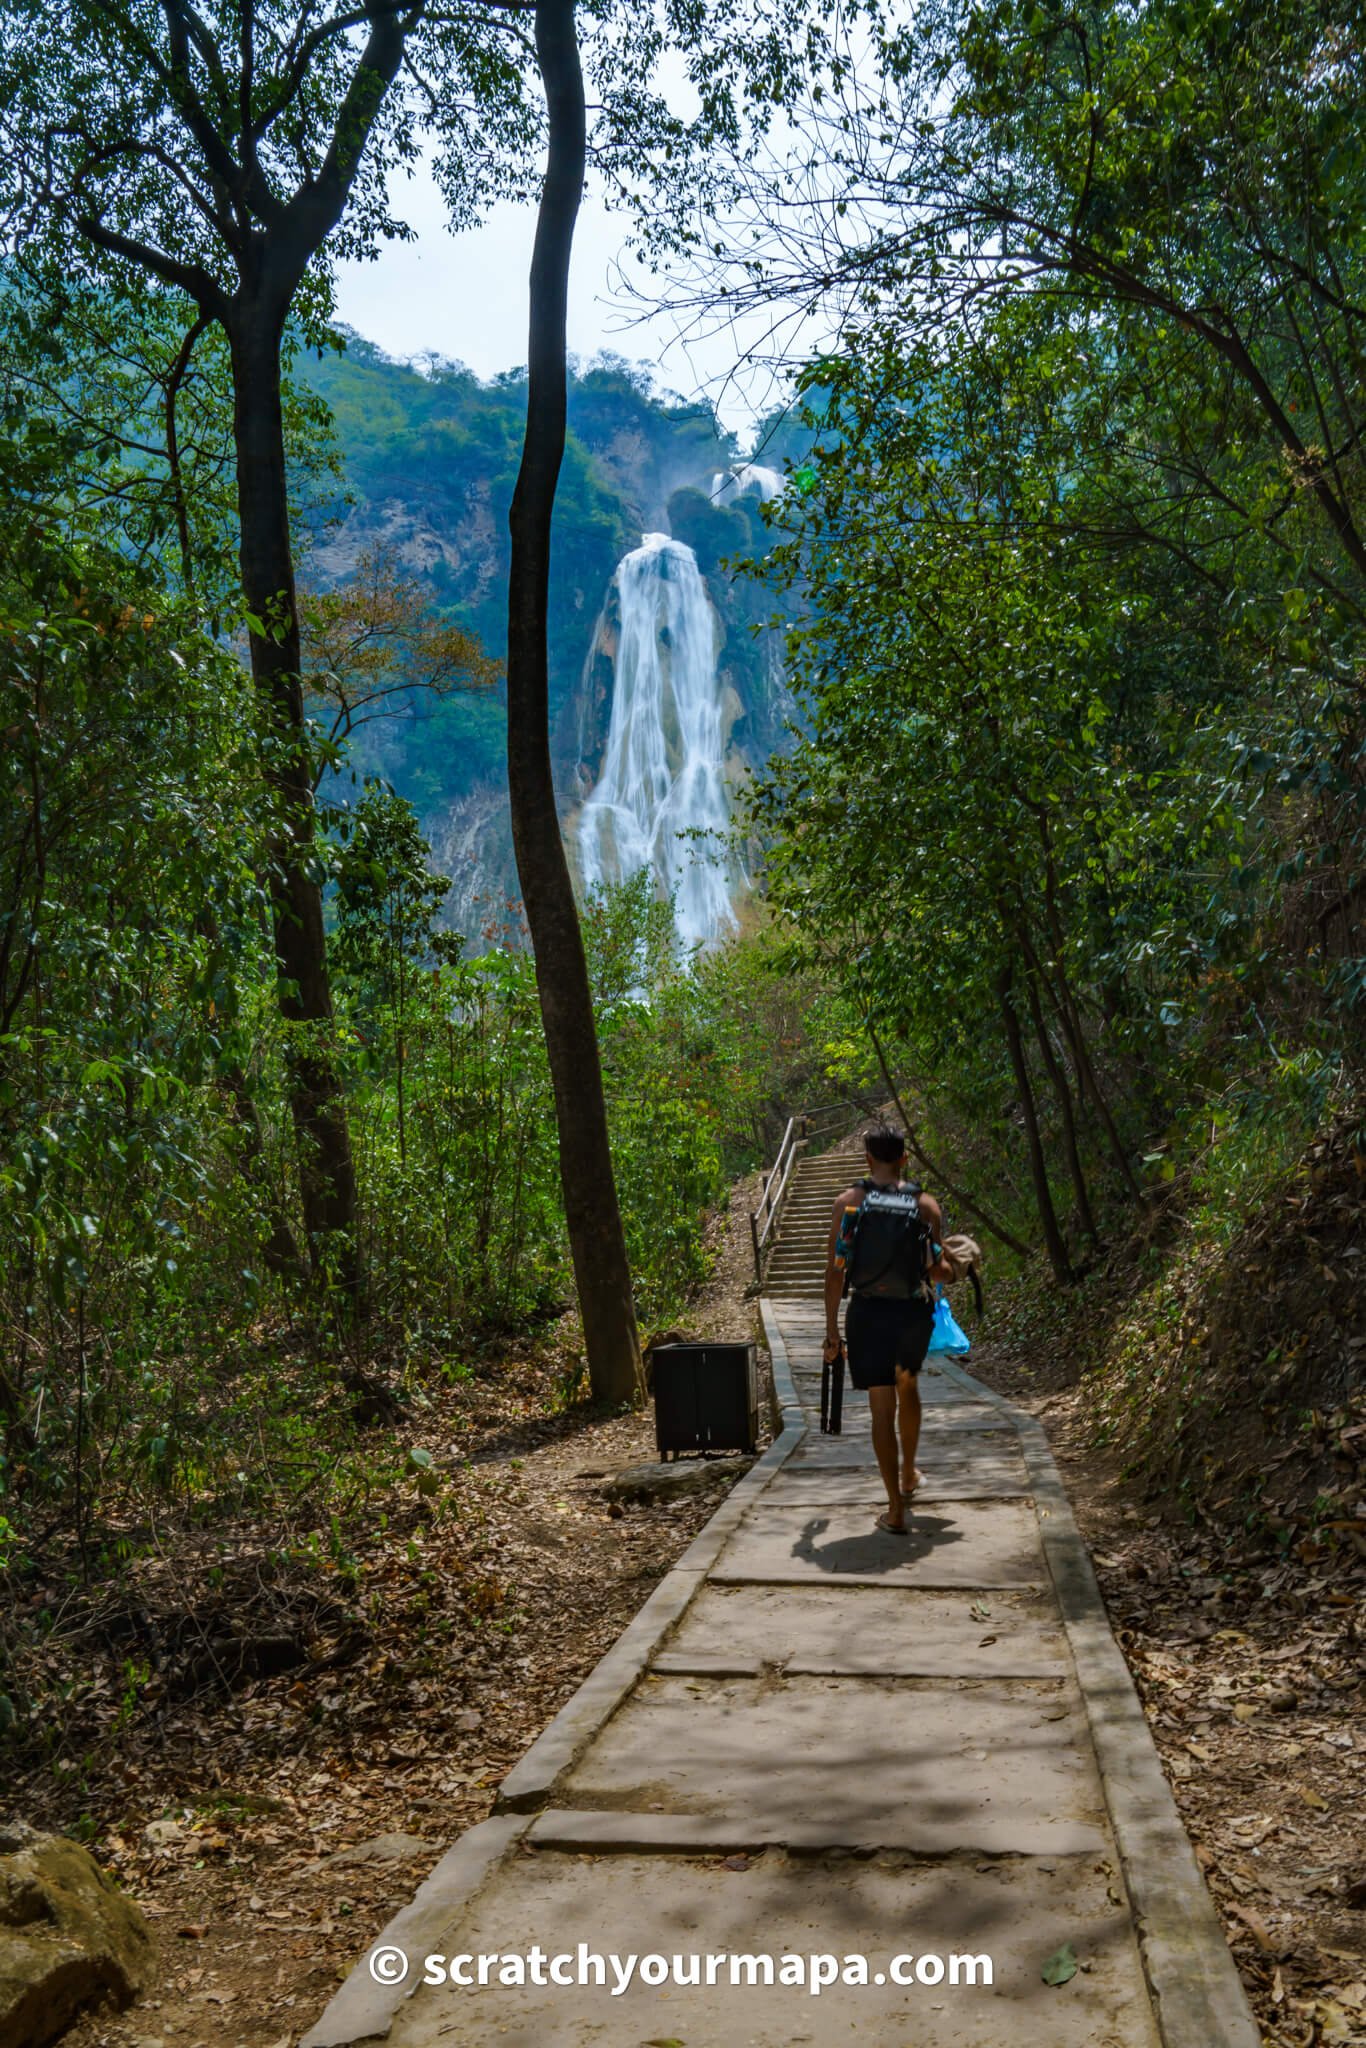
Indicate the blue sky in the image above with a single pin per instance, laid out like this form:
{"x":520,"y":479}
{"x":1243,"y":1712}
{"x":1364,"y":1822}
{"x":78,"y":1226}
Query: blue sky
{"x":465,"y":296}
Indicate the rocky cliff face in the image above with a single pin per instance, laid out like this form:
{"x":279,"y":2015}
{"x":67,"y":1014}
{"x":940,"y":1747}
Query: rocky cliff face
{"x":430,"y":463}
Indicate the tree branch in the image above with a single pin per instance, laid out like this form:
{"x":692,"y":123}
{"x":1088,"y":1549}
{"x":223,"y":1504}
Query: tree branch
{"x":190,"y":278}
{"x":317,"y":206}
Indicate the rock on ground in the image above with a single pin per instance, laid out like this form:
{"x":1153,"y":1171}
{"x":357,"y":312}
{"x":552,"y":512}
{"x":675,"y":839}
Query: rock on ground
{"x":68,"y":1937}
{"x":663,"y":1482}
{"x":391,"y":1848}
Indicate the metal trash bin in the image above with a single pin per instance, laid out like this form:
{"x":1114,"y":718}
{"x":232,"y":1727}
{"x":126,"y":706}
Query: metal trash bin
{"x":706,"y":1397}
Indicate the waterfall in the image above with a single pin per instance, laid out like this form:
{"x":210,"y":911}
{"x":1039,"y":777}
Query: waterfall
{"x":746,"y":477}
{"x":663,"y":767}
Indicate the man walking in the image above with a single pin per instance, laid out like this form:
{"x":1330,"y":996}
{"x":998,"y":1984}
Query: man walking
{"x":891,"y":1256}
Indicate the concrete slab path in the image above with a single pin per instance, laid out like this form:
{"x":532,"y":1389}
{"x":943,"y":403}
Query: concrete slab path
{"x":823,"y":1749}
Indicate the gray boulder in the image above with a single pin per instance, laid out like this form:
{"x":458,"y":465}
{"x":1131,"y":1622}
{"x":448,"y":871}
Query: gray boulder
{"x":68,"y":1937}
{"x":385,"y":1849}
{"x":671,"y":1480}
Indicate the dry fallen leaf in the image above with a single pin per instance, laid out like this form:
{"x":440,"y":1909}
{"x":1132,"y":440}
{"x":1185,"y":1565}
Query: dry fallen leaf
{"x":1331,"y":2021}
{"x":1255,"y":1926}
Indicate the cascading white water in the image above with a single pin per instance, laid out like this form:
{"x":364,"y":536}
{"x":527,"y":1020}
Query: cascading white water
{"x":746,"y":477}
{"x":663,"y":768}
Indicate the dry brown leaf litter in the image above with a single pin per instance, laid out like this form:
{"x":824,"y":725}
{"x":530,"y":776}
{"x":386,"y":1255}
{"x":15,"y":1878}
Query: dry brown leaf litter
{"x":1227,"y":1522}
{"x":222,"y":1799}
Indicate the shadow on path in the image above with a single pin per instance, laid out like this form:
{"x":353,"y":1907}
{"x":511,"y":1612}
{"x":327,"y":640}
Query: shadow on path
{"x":878,"y":1550}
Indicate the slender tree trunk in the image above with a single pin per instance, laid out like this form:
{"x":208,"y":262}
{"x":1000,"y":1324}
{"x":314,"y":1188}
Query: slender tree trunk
{"x":1074,"y":1032}
{"x":1063,"y":1096}
{"x":1048,"y":1217}
{"x":327,"y":1173}
{"x":400,"y":1040}
{"x":279,"y":1251}
{"x":596,"y":1240}
{"x":1069,"y":1017}
{"x":174,"y":380}
{"x":919,"y":1154}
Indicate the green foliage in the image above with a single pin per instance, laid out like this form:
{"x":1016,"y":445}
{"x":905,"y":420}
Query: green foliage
{"x":454,"y":1131}
{"x":1072,"y":837}
{"x":703,"y":1059}
{"x":124,"y":401}
{"x":1238,"y":1149}
{"x":387,"y":898}
{"x":664,"y":1151}
{"x":147,"y":1156}
{"x":132,"y":828}
{"x":1081,"y":822}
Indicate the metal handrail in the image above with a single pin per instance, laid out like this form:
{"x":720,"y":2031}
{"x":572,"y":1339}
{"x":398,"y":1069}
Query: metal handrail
{"x":773,"y":1189}
{"x":796,"y":1138}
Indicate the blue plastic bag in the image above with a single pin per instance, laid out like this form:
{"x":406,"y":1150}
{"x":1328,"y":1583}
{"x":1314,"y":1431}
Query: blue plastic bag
{"x":946,"y":1334}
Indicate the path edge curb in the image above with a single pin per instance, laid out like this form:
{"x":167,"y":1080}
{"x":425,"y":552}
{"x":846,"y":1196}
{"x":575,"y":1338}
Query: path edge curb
{"x":528,"y":1786}
{"x":1193,"y":1983}
{"x":786,"y":1401}
{"x":361,"y":2010}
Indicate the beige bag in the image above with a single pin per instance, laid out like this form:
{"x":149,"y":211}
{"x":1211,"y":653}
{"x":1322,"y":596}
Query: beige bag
{"x":963,"y":1256}
{"x":962,"y":1253}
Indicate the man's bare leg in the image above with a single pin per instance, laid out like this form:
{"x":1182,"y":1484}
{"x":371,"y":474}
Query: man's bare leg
{"x":882,"y":1408}
{"x":908,"y":1415}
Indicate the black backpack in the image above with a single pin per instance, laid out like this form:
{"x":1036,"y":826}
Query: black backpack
{"x":889,"y":1249}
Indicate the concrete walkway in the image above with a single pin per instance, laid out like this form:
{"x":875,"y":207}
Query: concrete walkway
{"x":818,"y":1740}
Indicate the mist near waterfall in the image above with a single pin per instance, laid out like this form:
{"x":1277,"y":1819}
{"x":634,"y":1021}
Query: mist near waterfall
{"x":663,"y":770}
{"x":745,"y":479}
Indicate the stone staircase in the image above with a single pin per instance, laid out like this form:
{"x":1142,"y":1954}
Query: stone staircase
{"x":795,"y":1268}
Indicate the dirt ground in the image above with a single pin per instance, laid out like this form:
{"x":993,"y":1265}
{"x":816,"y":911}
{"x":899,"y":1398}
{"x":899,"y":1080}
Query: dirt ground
{"x":1252,"y":1671}
{"x":270,"y":1830}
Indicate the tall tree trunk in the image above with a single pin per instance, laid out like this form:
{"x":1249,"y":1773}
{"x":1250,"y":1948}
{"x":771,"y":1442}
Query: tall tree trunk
{"x":279,"y":1252}
{"x":1069,"y":1016}
{"x":917,"y":1151}
{"x":1063,"y":1096}
{"x":175,"y":378}
{"x":1070,"y":1019}
{"x":1048,"y":1217}
{"x":326,"y":1171}
{"x":596,"y":1240}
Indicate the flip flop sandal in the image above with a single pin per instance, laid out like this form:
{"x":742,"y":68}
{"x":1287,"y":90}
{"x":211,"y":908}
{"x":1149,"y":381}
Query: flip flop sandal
{"x":889,"y":1528}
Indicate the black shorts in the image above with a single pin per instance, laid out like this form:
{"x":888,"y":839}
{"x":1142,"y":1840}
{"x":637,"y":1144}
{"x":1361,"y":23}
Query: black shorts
{"x":880,"y":1335}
